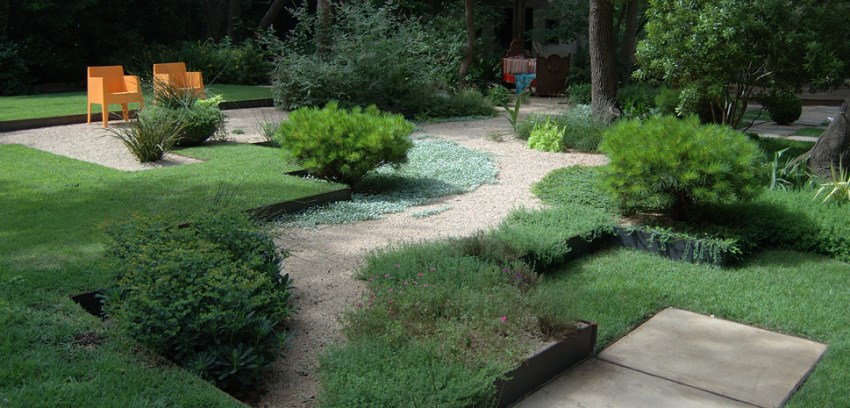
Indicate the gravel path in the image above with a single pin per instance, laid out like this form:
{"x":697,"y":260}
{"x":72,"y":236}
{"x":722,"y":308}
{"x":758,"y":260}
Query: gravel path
{"x":323,"y":261}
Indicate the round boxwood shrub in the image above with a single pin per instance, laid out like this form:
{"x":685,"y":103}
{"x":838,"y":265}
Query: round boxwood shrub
{"x":784,"y":108}
{"x":198,"y":120}
{"x":207,"y":294}
{"x":667,"y":164}
{"x":341,"y":145}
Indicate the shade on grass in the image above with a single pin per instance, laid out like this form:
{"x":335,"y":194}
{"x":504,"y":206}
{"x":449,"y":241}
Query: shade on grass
{"x":74,"y":103}
{"x":54,"y":354}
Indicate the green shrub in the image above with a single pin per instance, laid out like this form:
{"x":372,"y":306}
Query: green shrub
{"x":223,"y":62}
{"x":468,"y":102}
{"x":206,"y":294}
{"x":580,"y":94}
{"x":547,"y":137}
{"x":196,"y":123}
{"x":784,"y":108}
{"x":363,"y":37}
{"x":343,"y":146}
{"x":637,"y":100}
{"x":148,"y":138}
{"x":667,"y":164}
{"x":667,"y":101}
{"x":498,"y":95}
{"x":14,"y":76}
{"x":579,"y":130}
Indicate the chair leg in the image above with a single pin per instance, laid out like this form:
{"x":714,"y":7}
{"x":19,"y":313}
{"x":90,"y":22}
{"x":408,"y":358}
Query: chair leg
{"x":125,"y":111}
{"x":88,"y":121}
{"x":105,"y":113}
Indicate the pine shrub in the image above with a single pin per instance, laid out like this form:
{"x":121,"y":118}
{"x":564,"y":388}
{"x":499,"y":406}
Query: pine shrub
{"x":668,"y":164}
{"x":207,"y":294}
{"x":341,"y":145}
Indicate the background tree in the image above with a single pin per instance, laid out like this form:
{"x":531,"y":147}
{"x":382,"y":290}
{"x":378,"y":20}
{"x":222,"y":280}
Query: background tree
{"x":469,"y":52}
{"x":721,"y":53}
{"x":603,"y":65}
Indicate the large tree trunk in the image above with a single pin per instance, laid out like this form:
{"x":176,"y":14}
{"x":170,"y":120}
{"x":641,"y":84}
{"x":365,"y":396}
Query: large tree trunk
{"x":627,"y":52}
{"x":832,"y":150}
{"x":323,"y":22}
{"x":470,"y":41}
{"x":603,"y":64}
{"x":271,"y":14}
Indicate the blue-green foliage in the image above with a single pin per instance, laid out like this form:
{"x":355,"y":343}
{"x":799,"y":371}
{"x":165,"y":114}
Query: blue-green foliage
{"x":341,"y":145}
{"x":206,"y":294}
{"x":667,"y":164}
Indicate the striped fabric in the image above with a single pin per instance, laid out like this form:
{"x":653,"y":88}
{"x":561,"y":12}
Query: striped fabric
{"x":519,"y":65}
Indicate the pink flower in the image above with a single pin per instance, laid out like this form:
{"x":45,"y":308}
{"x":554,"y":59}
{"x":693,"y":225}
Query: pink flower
{"x":504,"y":319}
{"x":419,"y":275}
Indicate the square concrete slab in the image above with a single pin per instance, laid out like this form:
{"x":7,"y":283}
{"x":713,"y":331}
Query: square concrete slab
{"x":752,"y":365}
{"x":596,"y":383}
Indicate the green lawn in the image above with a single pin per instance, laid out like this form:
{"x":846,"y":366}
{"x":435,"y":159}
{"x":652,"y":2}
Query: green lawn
{"x":52,"y":240}
{"x":809,"y":131}
{"x":74,"y":103}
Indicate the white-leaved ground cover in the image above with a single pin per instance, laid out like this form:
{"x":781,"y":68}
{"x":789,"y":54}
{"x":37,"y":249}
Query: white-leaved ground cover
{"x":434,"y":169}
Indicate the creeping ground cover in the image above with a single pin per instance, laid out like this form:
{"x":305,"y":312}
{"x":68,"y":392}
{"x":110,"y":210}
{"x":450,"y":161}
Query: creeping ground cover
{"x":52,"y":241}
{"x":434,"y":169}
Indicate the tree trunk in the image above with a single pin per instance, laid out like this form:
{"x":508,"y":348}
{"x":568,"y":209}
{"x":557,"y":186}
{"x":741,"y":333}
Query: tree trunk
{"x":603,"y":64}
{"x":323,"y":22}
{"x":214,"y":12}
{"x":271,"y":14}
{"x":627,"y":52}
{"x":470,"y":41}
{"x":832,"y":150}
{"x":234,"y":14}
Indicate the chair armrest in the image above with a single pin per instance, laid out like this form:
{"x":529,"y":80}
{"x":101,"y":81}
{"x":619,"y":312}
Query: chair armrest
{"x":194,"y":79}
{"x":131,"y":82}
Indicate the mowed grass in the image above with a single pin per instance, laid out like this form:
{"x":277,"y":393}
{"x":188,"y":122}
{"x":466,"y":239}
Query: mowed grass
{"x":74,"y":103}
{"x":790,"y":292}
{"x":52,"y":241}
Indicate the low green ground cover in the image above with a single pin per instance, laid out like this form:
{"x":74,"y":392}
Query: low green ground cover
{"x":809,"y":131}
{"x":434,"y":169}
{"x":74,"y":103}
{"x":52,"y":241}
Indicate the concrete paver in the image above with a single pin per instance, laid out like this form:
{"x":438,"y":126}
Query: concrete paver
{"x":596,"y":383}
{"x":744,"y":363}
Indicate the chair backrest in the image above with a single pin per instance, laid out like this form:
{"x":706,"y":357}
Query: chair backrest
{"x":113,"y":77}
{"x":171,"y":68}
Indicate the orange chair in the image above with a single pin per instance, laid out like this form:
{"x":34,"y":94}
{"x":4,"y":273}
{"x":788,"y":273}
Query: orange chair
{"x":109,"y":85}
{"x":174,"y":76}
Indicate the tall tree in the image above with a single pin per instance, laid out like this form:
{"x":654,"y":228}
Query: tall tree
{"x":470,"y":40}
{"x":271,"y":14}
{"x":603,"y":63}
{"x":629,"y":42}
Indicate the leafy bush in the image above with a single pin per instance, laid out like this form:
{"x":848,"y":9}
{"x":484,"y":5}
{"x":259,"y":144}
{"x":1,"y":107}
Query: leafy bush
{"x":498,"y":95}
{"x":339,"y":145}
{"x":546,"y":137}
{"x":580,"y":94}
{"x":195,"y":123}
{"x":206,"y":294}
{"x":580,"y":131}
{"x":13,"y":69}
{"x":667,"y":101}
{"x":667,"y":164}
{"x":784,"y":108}
{"x":468,"y":102}
{"x":148,"y":138}
{"x":363,"y":37}
{"x":637,"y":100}
{"x":223,"y":62}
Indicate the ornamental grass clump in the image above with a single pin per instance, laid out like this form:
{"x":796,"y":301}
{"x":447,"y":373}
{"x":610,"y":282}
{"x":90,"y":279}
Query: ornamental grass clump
{"x":207,"y":294}
{"x":148,"y":139}
{"x":665,"y":164}
{"x":342,"y":145}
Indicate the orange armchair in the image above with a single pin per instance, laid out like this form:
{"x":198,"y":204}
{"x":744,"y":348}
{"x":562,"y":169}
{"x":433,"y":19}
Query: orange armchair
{"x":174,"y":76}
{"x":109,"y":85}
